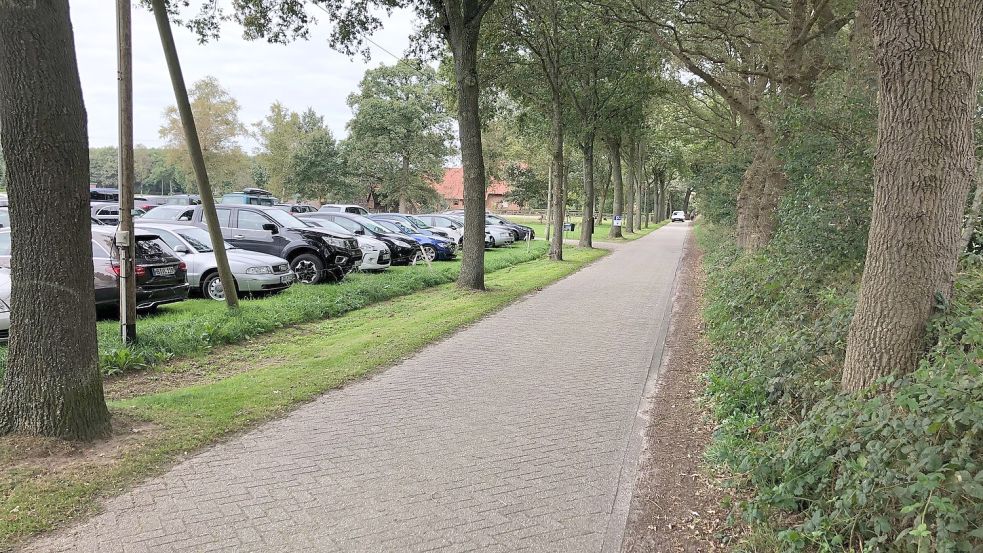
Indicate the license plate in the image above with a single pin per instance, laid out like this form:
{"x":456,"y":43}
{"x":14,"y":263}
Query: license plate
{"x":164,"y":271}
{"x":286,"y":279}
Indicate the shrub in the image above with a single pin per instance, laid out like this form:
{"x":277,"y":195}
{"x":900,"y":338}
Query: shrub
{"x":827,"y":471}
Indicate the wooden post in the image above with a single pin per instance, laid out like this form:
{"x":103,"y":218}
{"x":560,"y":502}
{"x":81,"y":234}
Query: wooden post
{"x":194,"y":149}
{"x":124,"y":236}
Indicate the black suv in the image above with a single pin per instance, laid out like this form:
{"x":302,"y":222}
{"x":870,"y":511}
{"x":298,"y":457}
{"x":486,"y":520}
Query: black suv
{"x":315,"y":255}
{"x":403,"y":249}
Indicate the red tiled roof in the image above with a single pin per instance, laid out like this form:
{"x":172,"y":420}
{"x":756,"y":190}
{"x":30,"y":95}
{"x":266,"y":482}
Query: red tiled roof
{"x":452,"y":187}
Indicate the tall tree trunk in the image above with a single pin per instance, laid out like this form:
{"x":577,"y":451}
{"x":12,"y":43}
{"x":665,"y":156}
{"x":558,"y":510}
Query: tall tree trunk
{"x":929,"y":55}
{"x":617,"y":211}
{"x":973,"y":216}
{"x":587,"y":222}
{"x":52,"y":385}
{"x":464,"y":44}
{"x":630,"y":189}
{"x":689,"y":194}
{"x":604,"y":195}
{"x":559,"y":179}
{"x":640,"y":186}
{"x":761,"y":190}
{"x":404,"y":204}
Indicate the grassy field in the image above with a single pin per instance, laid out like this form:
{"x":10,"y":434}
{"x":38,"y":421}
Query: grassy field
{"x":195,"y":326}
{"x":234,"y":388}
{"x":600,"y":232}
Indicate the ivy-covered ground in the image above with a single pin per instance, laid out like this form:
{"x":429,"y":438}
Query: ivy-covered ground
{"x":824,"y":471}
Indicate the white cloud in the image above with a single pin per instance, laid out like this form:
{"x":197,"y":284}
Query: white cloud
{"x":301,"y":74}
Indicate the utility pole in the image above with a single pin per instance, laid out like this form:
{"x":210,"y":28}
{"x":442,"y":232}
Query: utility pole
{"x":124,"y":235}
{"x":194,"y":150}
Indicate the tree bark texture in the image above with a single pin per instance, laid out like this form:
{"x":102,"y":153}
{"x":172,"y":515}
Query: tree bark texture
{"x":632,"y":183}
{"x":973,"y":216}
{"x":761,"y":190}
{"x":52,"y":385}
{"x":464,"y":44}
{"x":602,"y":201}
{"x":559,"y":179}
{"x":929,"y":56}
{"x":614,"y":153}
{"x":587,"y":222}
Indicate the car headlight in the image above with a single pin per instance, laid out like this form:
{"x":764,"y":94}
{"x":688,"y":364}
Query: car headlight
{"x":259,"y":271}
{"x":368,"y":247}
{"x":4,"y":308}
{"x":335,"y":242}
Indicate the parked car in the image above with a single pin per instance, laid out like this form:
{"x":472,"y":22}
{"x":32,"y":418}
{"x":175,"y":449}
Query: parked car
{"x":160,"y":274}
{"x":147,"y":203}
{"x":253,"y":271}
{"x":457,"y":235}
{"x":4,"y":217}
{"x":296,"y":208}
{"x":454,"y":223}
{"x":519,"y":232}
{"x":315,"y":255}
{"x":182,"y":199}
{"x":108,"y":213}
{"x":434,"y":247}
{"x":4,"y":305}
{"x":250,"y":196}
{"x":170,"y":213}
{"x":501,"y":235}
{"x":402,"y":249}
{"x":677,"y":216}
{"x":375,"y":252}
{"x":104,"y":195}
{"x":344,"y":208}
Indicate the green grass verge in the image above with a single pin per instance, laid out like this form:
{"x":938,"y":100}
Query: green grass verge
{"x":194,"y":326}
{"x":600,"y":234}
{"x":293,"y":367}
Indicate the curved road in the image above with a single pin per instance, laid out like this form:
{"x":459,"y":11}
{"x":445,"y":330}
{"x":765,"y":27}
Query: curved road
{"x":520,"y":432}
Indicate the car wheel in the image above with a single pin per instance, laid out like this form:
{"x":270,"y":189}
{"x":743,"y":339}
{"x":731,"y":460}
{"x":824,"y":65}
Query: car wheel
{"x":491,"y":242}
{"x":430,"y":252}
{"x":418,"y":257}
{"x":212,"y":288}
{"x":308,"y":267}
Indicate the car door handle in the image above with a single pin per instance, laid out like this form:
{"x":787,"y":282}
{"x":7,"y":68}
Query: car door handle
{"x":238,"y":236}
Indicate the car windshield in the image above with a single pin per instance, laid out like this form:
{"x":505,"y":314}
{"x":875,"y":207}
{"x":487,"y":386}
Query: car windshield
{"x":499,"y":220}
{"x":166,"y":212}
{"x":391,"y":226}
{"x":418,"y":223}
{"x":371,"y":225}
{"x":285,"y":219}
{"x":326,"y":224}
{"x":198,"y":239}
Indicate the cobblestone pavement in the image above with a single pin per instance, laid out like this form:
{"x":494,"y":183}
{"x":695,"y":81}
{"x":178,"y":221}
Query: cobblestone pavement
{"x":518,"y":433}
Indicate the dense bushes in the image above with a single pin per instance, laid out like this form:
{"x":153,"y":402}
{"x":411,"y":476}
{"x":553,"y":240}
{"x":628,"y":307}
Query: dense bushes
{"x":826,"y":471}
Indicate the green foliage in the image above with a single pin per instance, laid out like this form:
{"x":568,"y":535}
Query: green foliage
{"x":828,"y":471}
{"x":319,"y":170}
{"x":527,"y":187}
{"x":828,"y":158}
{"x":400,"y":134}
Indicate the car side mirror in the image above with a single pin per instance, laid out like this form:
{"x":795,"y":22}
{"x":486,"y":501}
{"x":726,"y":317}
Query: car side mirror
{"x":271,"y":227}
{"x":181,"y":248}
{"x":360,"y":232}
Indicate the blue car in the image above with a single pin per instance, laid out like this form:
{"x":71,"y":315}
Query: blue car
{"x":434,"y":247}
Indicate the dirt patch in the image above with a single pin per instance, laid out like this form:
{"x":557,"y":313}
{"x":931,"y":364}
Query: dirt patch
{"x":676,"y":505}
{"x":54,"y":455}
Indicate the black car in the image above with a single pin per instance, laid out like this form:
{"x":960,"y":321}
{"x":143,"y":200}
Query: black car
{"x":403,"y":250}
{"x":296,"y":209}
{"x":315,"y":255}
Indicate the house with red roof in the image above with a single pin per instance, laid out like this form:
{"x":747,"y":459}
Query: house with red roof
{"x":452,"y":190}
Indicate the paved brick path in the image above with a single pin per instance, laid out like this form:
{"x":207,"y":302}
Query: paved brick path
{"x":518,"y":433}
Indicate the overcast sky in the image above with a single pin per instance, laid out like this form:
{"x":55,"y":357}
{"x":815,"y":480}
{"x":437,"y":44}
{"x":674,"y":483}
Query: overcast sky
{"x":299,"y":75}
